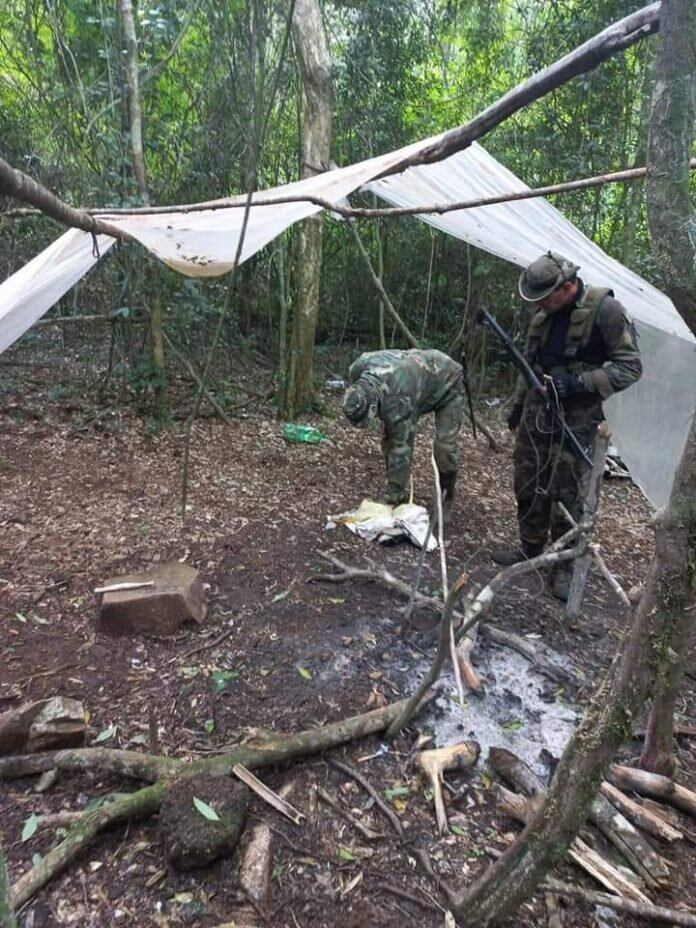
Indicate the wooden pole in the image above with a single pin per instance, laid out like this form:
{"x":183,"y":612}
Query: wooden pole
{"x":589,"y":514}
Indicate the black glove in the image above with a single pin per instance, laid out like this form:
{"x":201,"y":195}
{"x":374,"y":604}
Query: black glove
{"x":567,"y":385}
{"x":515,"y":417}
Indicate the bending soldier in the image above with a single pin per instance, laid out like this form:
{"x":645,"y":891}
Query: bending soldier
{"x":583,"y":342}
{"x":400,"y":387}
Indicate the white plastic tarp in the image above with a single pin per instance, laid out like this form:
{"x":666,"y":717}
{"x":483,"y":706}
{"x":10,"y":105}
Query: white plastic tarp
{"x":199,"y":244}
{"x":26,"y":295}
{"x":203,"y":243}
{"x":650,"y":421}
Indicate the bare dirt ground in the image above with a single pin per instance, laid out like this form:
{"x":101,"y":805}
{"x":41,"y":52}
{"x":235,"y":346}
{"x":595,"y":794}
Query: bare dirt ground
{"x":90,"y":492}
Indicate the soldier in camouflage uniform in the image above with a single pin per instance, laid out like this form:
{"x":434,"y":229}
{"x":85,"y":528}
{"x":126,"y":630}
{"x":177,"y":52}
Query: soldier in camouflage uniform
{"x":583,"y":345}
{"x":400,"y":387}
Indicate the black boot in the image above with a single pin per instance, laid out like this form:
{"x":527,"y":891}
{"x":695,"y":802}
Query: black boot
{"x":506,"y":557}
{"x":447,"y":483}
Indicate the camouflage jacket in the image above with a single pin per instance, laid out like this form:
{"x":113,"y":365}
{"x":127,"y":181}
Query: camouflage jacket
{"x":411,"y":383}
{"x":602,"y":346}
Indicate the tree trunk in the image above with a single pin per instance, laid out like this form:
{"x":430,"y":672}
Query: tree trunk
{"x":672,"y":224}
{"x":635,"y":192}
{"x":661,"y":615}
{"x":7,"y":919}
{"x":132,"y":96}
{"x":157,"y":350}
{"x":314,"y":61}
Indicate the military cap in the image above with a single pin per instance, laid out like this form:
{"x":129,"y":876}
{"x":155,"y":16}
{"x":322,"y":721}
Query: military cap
{"x":545,"y":275}
{"x":360,"y":403}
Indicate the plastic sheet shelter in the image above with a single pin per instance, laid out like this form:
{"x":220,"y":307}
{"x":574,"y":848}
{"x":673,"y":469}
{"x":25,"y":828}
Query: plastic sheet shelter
{"x":650,"y":421}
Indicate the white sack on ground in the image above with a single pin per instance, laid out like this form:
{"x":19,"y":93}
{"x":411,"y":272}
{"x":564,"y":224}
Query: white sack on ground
{"x":380,"y":522}
{"x":649,"y":421}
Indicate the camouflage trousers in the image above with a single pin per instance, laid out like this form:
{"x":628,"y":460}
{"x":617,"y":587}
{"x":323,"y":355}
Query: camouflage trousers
{"x":549,"y":471}
{"x":397,"y":444}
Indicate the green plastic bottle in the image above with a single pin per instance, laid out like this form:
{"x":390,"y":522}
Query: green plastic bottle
{"x":302,"y":433}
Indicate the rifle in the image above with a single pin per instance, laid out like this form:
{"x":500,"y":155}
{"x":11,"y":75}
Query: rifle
{"x":531,"y":379}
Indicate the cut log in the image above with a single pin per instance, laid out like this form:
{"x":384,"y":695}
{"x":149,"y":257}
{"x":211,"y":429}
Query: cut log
{"x":629,"y":842}
{"x":254,"y":872}
{"x":654,"y":913}
{"x":515,"y":771}
{"x":640,"y":815}
{"x":174,"y":595}
{"x":614,"y":826}
{"x":522,"y":809}
{"x":655,"y":786}
{"x":43,"y":725}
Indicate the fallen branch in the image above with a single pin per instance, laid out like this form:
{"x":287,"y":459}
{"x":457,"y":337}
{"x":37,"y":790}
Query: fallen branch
{"x":581,"y":565}
{"x":141,"y":804}
{"x":599,"y":561}
{"x":524,"y":646}
{"x":655,"y":913}
{"x":166,"y":771}
{"x":614,"y":826}
{"x":147,"y":767}
{"x":369,"y":788}
{"x":408,"y":610}
{"x":533,"y":652}
{"x":640,"y":815}
{"x":328,"y":799}
{"x":555,"y":554}
{"x":264,"y":792}
{"x":435,"y":763}
{"x":608,"y":575}
{"x":439,"y":659}
{"x":629,"y":842}
{"x":461,"y":664}
{"x":655,"y":786}
{"x":206,"y":645}
{"x":523,"y":809}
{"x":511,"y":768}
{"x":396,"y":891}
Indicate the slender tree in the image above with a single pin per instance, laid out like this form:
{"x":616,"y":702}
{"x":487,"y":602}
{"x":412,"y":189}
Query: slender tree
{"x":314,"y":62}
{"x":132,"y":97}
{"x":135,"y":131}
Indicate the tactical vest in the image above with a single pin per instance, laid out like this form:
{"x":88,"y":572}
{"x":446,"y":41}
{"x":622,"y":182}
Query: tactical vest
{"x":582,"y":319}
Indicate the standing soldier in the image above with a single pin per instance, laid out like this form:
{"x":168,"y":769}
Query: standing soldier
{"x":584,"y":347}
{"x":400,"y":387}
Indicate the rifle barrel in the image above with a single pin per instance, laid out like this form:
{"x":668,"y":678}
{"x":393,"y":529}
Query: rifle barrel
{"x":527,"y":371}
